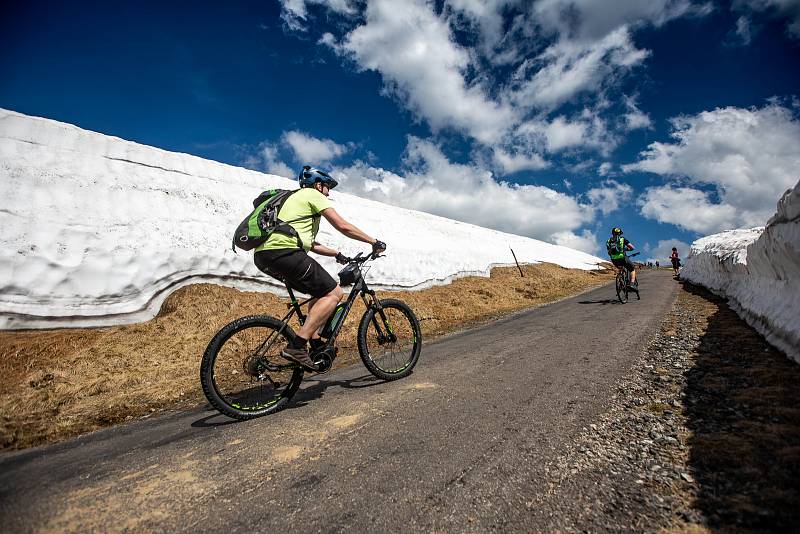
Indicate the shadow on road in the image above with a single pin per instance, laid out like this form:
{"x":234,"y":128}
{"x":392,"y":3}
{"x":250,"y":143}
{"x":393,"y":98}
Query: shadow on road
{"x":311,"y":392}
{"x":320,"y":385}
{"x":213,"y":420}
{"x":604,"y":301}
{"x":741,"y":403}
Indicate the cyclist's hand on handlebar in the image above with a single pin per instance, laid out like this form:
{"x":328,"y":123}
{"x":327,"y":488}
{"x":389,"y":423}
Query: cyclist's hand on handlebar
{"x":377,"y":247}
{"x":341,"y":258}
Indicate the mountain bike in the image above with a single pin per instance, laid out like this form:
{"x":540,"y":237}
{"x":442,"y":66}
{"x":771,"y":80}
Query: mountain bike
{"x":623,"y":282}
{"x":243,"y":374}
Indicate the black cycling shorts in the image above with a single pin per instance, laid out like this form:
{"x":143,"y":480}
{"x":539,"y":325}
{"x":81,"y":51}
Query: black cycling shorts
{"x":296,"y":268}
{"x":619,"y":262}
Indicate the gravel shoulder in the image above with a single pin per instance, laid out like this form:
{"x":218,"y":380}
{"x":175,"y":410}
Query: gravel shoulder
{"x":703,"y":435}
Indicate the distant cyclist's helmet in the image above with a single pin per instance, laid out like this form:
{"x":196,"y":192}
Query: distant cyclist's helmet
{"x":616,"y":231}
{"x":309,"y":176}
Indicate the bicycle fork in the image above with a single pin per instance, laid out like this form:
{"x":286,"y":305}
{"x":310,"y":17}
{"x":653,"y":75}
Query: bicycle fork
{"x":374,"y":304}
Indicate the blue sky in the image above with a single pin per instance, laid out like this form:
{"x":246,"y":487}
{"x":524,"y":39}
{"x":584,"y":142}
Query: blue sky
{"x":554,"y":119}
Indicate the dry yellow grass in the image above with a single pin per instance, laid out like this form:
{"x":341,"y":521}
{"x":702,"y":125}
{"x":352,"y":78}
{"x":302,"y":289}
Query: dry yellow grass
{"x":60,"y":383}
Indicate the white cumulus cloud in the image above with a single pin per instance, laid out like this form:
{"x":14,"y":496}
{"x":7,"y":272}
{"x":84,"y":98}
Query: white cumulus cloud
{"x":313,"y":150}
{"x":585,"y":241}
{"x":788,"y":9}
{"x":557,"y":50}
{"x":610,"y":196}
{"x":729,"y":166}
{"x":690,"y":209}
{"x":511,"y":163}
{"x":413,"y":49}
{"x":468,"y":192}
{"x":605,"y":168}
{"x":305,"y":149}
{"x":587,"y":20}
{"x":568,"y":68}
{"x":273,"y":164}
{"x":295,"y":12}
{"x":586,"y":130}
{"x":635,"y":118}
{"x":561,"y":133}
{"x":267,"y":158}
{"x":485,"y":20}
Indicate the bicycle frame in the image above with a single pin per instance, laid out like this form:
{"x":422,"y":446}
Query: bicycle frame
{"x":625,"y":274}
{"x":359,"y":288}
{"x":624,"y":268}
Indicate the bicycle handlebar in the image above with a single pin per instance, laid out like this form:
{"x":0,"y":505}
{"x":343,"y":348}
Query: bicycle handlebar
{"x":361,"y":258}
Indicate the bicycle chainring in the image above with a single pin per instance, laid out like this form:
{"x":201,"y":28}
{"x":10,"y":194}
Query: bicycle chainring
{"x":324,"y":359}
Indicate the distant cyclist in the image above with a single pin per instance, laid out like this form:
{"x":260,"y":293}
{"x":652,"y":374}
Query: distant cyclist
{"x":618,"y":247}
{"x":285,"y":257}
{"x":676,"y":262}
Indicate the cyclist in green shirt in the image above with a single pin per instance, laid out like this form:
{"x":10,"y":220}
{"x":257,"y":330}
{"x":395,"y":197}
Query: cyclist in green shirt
{"x":617,"y":247}
{"x":285,"y":257}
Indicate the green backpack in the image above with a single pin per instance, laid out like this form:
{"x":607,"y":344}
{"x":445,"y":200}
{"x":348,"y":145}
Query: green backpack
{"x":263,"y":221}
{"x":614,"y":247}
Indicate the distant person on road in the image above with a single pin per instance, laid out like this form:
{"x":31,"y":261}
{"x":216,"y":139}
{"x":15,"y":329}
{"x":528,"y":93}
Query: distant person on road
{"x":618,"y":247}
{"x":676,"y":262}
{"x":285,"y":257}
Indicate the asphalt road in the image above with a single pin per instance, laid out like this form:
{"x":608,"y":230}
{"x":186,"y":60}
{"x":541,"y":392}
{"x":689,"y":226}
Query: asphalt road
{"x":459,"y":445}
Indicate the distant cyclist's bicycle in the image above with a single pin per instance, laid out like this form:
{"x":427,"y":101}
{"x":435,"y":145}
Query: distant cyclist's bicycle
{"x":623,"y":283}
{"x":244,"y":376}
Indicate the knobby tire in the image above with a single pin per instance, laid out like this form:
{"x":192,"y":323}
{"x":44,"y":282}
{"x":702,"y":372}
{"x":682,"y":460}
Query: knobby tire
{"x":622,"y":286}
{"x":390,"y":360}
{"x":233,"y":371}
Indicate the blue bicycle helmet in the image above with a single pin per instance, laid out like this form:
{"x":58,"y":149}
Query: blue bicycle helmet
{"x":309,"y":176}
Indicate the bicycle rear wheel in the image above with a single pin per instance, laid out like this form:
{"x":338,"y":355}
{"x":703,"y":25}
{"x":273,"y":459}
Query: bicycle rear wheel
{"x":390,"y":342}
{"x":243,"y":374}
{"x":622,"y":287}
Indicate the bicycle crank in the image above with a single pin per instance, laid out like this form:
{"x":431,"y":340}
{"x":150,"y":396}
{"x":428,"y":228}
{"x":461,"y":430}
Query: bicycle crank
{"x":324,"y":359}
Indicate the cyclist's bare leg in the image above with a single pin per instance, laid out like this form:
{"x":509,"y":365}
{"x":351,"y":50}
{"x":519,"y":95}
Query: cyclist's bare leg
{"x":633,"y":277}
{"x":319,"y":313}
{"x":311,"y":305}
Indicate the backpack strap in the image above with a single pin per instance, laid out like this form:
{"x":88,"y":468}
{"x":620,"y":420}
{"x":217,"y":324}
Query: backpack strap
{"x":284,"y":227}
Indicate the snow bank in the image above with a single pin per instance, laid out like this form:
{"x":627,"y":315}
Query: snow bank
{"x":97,"y":230}
{"x":758,"y":270}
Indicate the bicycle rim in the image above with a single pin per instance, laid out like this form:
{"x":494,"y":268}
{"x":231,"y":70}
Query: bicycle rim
{"x":390,"y":345}
{"x":243,"y":374}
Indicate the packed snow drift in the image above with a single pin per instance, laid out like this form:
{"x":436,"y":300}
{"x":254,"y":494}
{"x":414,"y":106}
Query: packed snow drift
{"x":758,"y":270}
{"x":97,"y":230}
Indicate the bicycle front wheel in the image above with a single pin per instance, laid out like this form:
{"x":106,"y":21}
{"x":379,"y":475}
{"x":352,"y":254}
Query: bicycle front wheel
{"x":390,"y":340}
{"x":243,"y":374}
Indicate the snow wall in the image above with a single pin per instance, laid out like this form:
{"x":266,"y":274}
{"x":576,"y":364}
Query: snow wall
{"x":97,"y":230}
{"x":758,"y":271}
